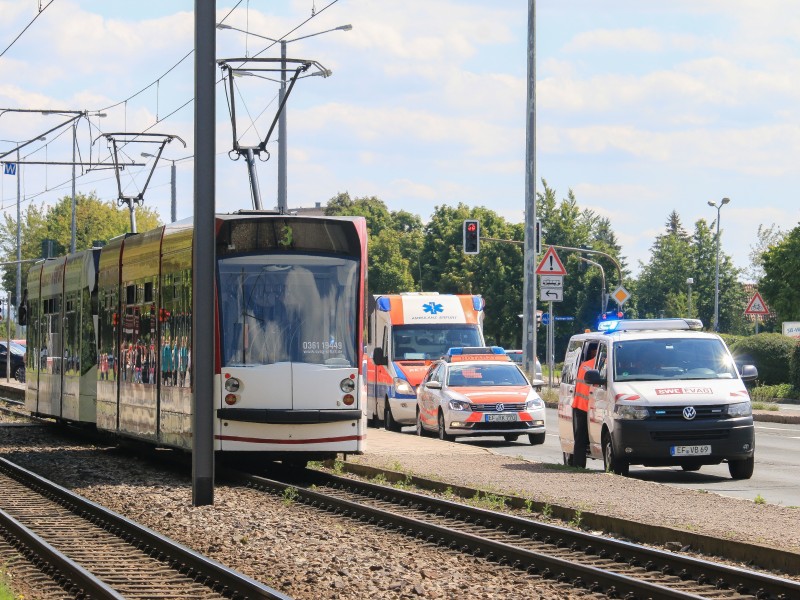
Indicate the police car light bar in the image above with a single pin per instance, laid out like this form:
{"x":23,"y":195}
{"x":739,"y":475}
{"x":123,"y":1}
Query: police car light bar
{"x":651,"y":325}
{"x":476,"y":353}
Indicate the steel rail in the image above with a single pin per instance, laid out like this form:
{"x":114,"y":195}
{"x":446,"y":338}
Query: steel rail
{"x":235,"y":583}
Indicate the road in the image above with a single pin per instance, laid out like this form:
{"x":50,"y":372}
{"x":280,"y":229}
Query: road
{"x":775,"y":477}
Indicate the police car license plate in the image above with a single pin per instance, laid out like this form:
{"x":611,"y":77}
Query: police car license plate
{"x":502,"y":418}
{"x":701,"y":450}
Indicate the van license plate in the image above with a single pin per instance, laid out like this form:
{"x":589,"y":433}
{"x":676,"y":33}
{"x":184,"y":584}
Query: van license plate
{"x":502,"y":418}
{"x":702,"y":450}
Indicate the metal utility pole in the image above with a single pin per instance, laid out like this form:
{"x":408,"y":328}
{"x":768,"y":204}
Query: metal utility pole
{"x":73,"y":228}
{"x":283,"y":206}
{"x":19,"y":250}
{"x":173,"y":194}
{"x":203,"y":256}
{"x":529,"y":270}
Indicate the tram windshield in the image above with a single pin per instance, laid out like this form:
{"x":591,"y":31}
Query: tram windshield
{"x":288,"y":308}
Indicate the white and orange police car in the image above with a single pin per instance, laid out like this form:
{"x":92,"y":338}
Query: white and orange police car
{"x":479,"y":392}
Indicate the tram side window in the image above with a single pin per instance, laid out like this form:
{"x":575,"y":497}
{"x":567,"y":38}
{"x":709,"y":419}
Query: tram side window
{"x":108,"y":326}
{"x":176,"y":328}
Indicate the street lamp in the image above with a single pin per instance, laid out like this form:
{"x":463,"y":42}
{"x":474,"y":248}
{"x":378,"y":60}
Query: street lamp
{"x":689,"y":282}
{"x":19,"y":248}
{"x":173,"y":195}
{"x":713,"y":204}
{"x":282,"y":201}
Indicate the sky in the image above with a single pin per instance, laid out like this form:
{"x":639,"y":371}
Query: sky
{"x":641,"y":108}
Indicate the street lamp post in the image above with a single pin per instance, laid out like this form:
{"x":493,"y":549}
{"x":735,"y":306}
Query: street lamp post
{"x":282,"y":178}
{"x":173,"y":192}
{"x":689,"y":282}
{"x":719,"y":206}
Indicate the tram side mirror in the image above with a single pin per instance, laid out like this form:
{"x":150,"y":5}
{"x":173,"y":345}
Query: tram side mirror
{"x":593,"y":377}
{"x":379,"y":358}
{"x":749,"y":373}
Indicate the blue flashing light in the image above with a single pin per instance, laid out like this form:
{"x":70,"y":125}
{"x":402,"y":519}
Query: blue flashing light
{"x":607,"y":326}
{"x":384,"y":304}
{"x":458,"y":351}
{"x":478,"y":303}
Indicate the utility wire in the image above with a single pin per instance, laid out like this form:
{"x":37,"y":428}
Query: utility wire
{"x":41,"y":10}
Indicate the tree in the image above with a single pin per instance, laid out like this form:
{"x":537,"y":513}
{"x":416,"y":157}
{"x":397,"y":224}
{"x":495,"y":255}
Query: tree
{"x":395,"y":239}
{"x":95,"y":220}
{"x":780,"y":285}
{"x":767,"y":237}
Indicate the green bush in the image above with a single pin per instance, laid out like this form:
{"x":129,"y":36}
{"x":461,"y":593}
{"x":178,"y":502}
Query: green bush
{"x":770,"y":353}
{"x":771,"y":393}
{"x":732,"y":341}
{"x":794,"y":366}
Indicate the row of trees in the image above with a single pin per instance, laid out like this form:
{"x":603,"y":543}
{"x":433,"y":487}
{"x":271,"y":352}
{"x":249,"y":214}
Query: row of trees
{"x":406,"y":254}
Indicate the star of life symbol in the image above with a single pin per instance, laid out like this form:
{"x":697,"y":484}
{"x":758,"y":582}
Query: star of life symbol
{"x":689,"y":413}
{"x":433,"y":308}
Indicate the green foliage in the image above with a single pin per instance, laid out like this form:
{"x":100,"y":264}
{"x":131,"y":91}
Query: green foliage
{"x":780,"y":286}
{"x":771,"y":393}
{"x":770,"y":353}
{"x":759,"y":499}
{"x":94,"y":220}
{"x":794,"y":366}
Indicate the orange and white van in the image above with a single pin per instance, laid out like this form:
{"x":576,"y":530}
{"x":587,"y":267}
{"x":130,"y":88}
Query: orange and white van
{"x":405,"y":334}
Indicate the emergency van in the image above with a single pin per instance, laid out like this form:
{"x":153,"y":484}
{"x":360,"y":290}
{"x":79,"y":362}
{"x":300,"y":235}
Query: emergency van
{"x":661,"y":393}
{"x":405,"y":333}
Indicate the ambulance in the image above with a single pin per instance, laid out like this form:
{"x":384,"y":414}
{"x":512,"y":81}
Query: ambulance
{"x":662,"y":392}
{"x":405,"y":334}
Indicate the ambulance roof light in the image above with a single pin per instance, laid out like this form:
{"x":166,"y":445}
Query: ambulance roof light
{"x":478,"y":303}
{"x":384,"y":304}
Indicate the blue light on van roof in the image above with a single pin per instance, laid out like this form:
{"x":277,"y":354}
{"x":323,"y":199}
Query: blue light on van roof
{"x":478,"y":302}
{"x":384,"y":304}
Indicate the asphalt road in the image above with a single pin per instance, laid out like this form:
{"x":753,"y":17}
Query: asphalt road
{"x":775,"y":477}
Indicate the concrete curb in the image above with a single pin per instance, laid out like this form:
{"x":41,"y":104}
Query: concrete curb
{"x":755,"y":555}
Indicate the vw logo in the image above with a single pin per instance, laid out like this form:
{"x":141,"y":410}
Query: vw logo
{"x":689,"y":413}
{"x":499,"y":407}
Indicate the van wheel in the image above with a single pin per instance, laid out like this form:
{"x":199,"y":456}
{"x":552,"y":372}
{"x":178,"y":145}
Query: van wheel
{"x":613,"y":463}
{"x":536,"y":439}
{"x":443,"y":435}
{"x":388,"y":419}
{"x":511,"y":437}
{"x":742,"y":469}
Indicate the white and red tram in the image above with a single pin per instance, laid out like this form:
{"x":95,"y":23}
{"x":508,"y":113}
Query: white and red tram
{"x":110,"y":336}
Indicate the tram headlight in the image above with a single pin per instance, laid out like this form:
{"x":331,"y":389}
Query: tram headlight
{"x":347,"y":385}
{"x":231,"y":399}
{"x":232,"y":384}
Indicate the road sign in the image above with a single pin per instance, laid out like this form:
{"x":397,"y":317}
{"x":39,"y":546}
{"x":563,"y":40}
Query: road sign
{"x":551,"y":264}
{"x":545,"y":318}
{"x":621,"y":295}
{"x":757,"y":306}
{"x":551,"y":281}
{"x":551,"y":294}
{"x":563,"y":318}
{"x":9,"y":168}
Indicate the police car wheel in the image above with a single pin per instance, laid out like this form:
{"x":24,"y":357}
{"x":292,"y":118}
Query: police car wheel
{"x":536,"y":439}
{"x":741,"y":469}
{"x":443,"y":435}
{"x":420,"y":428}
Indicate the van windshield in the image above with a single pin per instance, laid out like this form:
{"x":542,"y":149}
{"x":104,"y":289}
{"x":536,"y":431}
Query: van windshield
{"x":672,"y":358}
{"x":431,"y":341}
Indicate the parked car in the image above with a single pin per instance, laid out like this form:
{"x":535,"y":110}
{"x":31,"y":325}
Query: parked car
{"x":538,"y":379}
{"x":17,"y":360}
{"x":479,"y":392}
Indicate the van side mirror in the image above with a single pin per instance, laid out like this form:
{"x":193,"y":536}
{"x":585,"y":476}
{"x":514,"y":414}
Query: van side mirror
{"x":593,"y":377}
{"x":749,"y":373}
{"x":379,"y":358}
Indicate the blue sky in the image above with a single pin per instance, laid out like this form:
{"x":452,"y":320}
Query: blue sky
{"x":642,"y":107}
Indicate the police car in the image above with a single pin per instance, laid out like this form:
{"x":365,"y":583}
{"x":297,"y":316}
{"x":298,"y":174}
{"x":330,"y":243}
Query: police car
{"x":479,"y":392}
{"x":662,"y":392}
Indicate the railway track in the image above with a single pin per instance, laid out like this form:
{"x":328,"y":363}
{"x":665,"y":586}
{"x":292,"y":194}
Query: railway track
{"x":94,"y":553}
{"x":588,"y":562}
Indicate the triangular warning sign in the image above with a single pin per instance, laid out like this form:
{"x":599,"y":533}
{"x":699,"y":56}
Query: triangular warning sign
{"x":757,"y":306}
{"x":550,"y":264}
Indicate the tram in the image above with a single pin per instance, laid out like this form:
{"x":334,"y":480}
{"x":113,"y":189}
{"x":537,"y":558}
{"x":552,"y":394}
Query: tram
{"x":109,"y":336}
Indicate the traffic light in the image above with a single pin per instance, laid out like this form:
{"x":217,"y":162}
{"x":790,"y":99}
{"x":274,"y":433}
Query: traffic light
{"x":472,"y":233}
